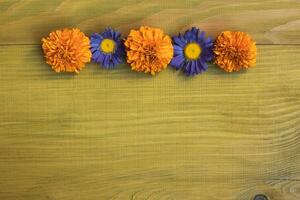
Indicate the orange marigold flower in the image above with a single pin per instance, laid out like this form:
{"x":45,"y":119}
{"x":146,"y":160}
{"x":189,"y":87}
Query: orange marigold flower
{"x":148,"y":49}
{"x":234,"y":51}
{"x":67,"y":50}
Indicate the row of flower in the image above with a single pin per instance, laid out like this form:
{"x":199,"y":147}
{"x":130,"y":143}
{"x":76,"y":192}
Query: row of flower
{"x":149,"y":50}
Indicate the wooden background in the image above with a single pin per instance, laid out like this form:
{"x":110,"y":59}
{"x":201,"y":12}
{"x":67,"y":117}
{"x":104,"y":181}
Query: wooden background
{"x":123,"y":135}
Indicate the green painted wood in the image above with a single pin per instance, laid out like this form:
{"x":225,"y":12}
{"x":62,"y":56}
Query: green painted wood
{"x":268,"y":21}
{"x":124,"y":135}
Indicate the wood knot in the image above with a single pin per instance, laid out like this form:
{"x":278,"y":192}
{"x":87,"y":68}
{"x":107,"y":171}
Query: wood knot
{"x":261,"y":197}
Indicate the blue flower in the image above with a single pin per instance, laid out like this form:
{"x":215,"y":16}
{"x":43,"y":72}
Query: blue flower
{"x":107,"y":48}
{"x":192,"y":51}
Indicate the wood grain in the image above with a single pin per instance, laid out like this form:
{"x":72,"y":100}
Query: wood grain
{"x":124,"y":135}
{"x":268,"y":21}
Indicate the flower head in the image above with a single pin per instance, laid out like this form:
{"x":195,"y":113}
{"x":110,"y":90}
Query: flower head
{"x":67,"y":50}
{"x":192,"y":51}
{"x":149,"y":50}
{"x":234,"y":51}
{"x":107,"y":48}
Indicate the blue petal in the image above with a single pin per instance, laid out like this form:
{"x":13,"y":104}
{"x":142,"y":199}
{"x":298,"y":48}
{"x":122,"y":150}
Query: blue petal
{"x":198,"y":67}
{"x":179,"y":41}
{"x":177,"y":61}
{"x":187,"y":68}
{"x":100,"y":58}
{"x":208,"y":57}
{"x":208,"y":40}
{"x":105,"y":62}
{"x":93,"y":49}
{"x":116,"y":35}
{"x":202,"y":35}
{"x":193,"y":68}
{"x":95,"y":55}
{"x":203,"y":65}
{"x":95,"y":44}
{"x":106,"y":33}
{"x":96,"y":36}
{"x":178,"y":50}
{"x":115,"y":60}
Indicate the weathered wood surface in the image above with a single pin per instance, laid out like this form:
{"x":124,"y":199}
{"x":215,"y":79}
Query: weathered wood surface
{"x":124,"y":135}
{"x":269,"y":21}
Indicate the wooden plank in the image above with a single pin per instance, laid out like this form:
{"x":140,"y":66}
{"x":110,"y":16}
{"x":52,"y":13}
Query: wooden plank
{"x":269,"y":21}
{"x":124,"y":135}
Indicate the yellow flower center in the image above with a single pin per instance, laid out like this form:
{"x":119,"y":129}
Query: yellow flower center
{"x":192,"y":51}
{"x":107,"y":46}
